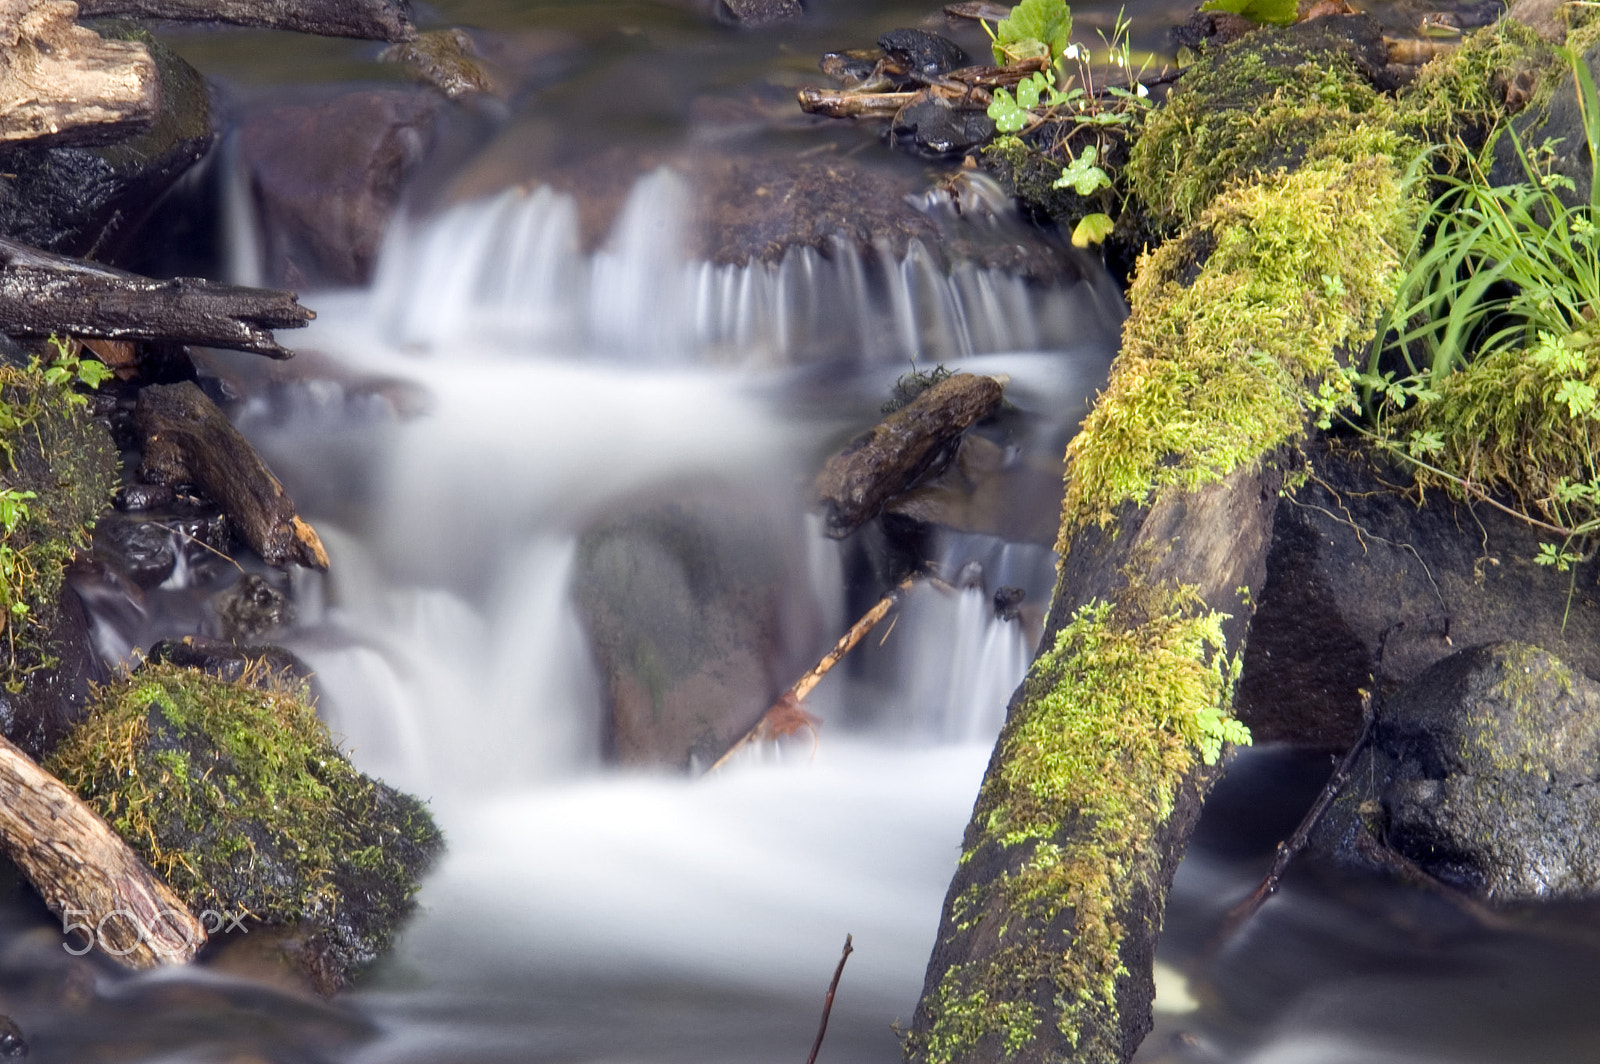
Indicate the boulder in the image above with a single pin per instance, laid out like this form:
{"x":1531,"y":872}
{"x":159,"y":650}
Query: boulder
{"x":698,"y":615}
{"x":326,"y":178}
{"x":757,"y":13}
{"x":1483,"y":772}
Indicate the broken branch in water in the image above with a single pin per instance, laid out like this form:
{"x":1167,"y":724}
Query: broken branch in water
{"x":785,"y":717}
{"x":827,"y":1002}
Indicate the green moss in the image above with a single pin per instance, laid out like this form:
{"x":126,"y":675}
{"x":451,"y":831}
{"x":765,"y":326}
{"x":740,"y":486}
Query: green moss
{"x":1260,"y":105}
{"x":1234,"y":326}
{"x":238,"y":797}
{"x":1124,"y":705}
{"x":50,"y":447}
{"x":1461,"y":96}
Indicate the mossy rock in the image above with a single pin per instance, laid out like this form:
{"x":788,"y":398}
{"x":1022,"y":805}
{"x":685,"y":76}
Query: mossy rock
{"x":61,"y":465}
{"x":240,"y":799}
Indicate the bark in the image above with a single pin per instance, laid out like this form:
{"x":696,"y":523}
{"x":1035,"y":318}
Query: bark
{"x":86,"y":873}
{"x":42,"y":293}
{"x":380,"y":20}
{"x":187,"y":439}
{"x":61,"y":84}
{"x":892,"y":456}
{"x":1215,"y":539}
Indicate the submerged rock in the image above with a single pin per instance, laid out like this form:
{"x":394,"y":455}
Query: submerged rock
{"x":1484,"y":772}
{"x":239,"y":798}
{"x":755,"y":13}
{"x":698,"y":616}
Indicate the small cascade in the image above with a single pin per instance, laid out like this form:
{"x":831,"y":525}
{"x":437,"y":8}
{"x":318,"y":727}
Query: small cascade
{"x":507,"y":274}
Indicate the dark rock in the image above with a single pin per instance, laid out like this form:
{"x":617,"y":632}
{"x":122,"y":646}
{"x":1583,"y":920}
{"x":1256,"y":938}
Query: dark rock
{"x":922,"y":54}
{"x":142,"y":549}
{"x":697,"y":620}
{"x":1561,"y":125}
{"x":1211,"y":28}
{"x":756,"y":13}
{"x":12,"y":1044}
{"x":78,"y":201}
{"x":1008,"y":603}
{"x":1353,"y":555}
{"x":138,"y":497}
{"x":1484,"y":772}
{"x":327,"y":176}
{"x":931,"y":126}
{"x":853,"y":66}
{"x":259,"y":666}
{"x":252,"y":608}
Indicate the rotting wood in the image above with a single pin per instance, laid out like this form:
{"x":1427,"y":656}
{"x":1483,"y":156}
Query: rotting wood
{"x":785,"y":717}
{"x":379,"y":20}
{"x":827,"y":1001}
{"x":969,"y":84}
{"x":186,"y":438}
{"x":43,"y":294}
{"x":890,"y":457}
{"x":86,"y":873}
{"x":63,"y":85}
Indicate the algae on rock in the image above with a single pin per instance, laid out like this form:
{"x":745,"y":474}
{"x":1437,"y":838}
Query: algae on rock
{"x":239,"y":797}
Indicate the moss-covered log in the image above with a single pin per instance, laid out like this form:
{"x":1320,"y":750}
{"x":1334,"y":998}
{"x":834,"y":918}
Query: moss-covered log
{"x":1235,"y":339}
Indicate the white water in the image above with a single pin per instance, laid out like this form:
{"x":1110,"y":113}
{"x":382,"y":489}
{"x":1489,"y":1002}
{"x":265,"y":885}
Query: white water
{"x":493,"y":392}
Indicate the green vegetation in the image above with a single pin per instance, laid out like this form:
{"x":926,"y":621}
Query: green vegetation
{"x":57,"y":471}
{"x":238,"y":797}
{"x":1116,"y":715}
{"x":1270,"y":12}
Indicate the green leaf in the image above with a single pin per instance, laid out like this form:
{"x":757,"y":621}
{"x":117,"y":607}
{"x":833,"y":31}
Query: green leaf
{"x":1578,"y":395}
{"x":1082,"y":175}
{"x":1004,"y":111}
{"x":1274,"y":12}
{"x":1092,"y":229}
{"x":1034,"y":28}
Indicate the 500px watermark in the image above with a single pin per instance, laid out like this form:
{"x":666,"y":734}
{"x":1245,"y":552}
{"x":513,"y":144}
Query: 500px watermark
{"x":178,"y":928}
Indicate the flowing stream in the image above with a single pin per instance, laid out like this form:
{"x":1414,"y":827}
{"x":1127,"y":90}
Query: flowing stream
{"x":453,"y":428}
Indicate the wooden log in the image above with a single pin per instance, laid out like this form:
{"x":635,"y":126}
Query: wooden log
{"x":887,"y":460}
{"x":86,"y":873}
{"x":61,"y":84}
{"x":845,"y":104}
{"x":42,"y":293}
{"x":187,"y":439}
{"x":378,"y":20}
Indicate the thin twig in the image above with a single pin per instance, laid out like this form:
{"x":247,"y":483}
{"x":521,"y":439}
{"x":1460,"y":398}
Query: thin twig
{"x":827,"y":1002}
{"x":1371,"y":702}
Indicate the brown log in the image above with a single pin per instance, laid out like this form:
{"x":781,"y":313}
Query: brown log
{"x":187,"y":439}
{"x":887,"y":460}
{"x":61,"y":84}
{"x":86,"y":873}
{"x":378,"y":20}
{"x":42,"y":293}
{"x":844,"y":104}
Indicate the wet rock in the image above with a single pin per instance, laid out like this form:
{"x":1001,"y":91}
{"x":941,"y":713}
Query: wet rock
{"x":327,"y":177}
{"x":697,"y":615}
{"x":12,"y":1044}
{"x":253,"y":608}
{"x":1353,"y":555}
{"x":754,"y":13}
{"x":263,"y":667}
{"x":142,"y":549}
{"x":446,"y":59}
{"x":853,"y":68}
{"x":137,"y":497}
{"x":931,"y":126}
{"x":1008,"y":603}
{"x":1484,"y":772}
{"x":922,"y":54}
{"x":1560,"y":125}
{"x":75,"y":201}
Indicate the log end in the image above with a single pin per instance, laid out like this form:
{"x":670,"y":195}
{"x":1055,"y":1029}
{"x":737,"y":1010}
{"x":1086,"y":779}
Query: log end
{"x":308,"y":549}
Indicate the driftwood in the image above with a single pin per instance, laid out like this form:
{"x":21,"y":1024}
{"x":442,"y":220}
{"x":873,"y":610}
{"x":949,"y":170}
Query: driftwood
{"x":187,"y":439}
{"x":379,"y":20}
{"x":86,"y":873}
{"x":827,"y":1002}
{"x":888,"y":459}
{"x":968,"y":83}
{"x":61,"y":84}
{"x":42,"y":293}
{"x":785,"y":717}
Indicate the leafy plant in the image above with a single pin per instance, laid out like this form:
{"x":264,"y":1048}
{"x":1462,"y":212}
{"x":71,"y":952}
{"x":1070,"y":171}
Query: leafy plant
{"x":1035,"y":29}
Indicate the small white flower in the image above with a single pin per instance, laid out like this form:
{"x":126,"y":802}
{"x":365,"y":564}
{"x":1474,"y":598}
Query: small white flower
{"x":1072,"y":51}
{"x":1121,"y":60}
{"x":1143,"y":90}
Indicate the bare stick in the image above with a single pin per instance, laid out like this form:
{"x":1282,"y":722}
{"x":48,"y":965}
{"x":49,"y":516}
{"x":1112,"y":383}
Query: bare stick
{"x":784,"y":717}
{"x":1290,"y":848}
{"x":827,"y":1002}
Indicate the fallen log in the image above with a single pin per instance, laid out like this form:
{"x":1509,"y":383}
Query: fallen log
{"x":187,"y":439}
{"x":889,"y":458}
{"x":43,"y":294}
{"x":378,"y":20}
{"x":63,"y":85}
{"x":86,"y":873}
